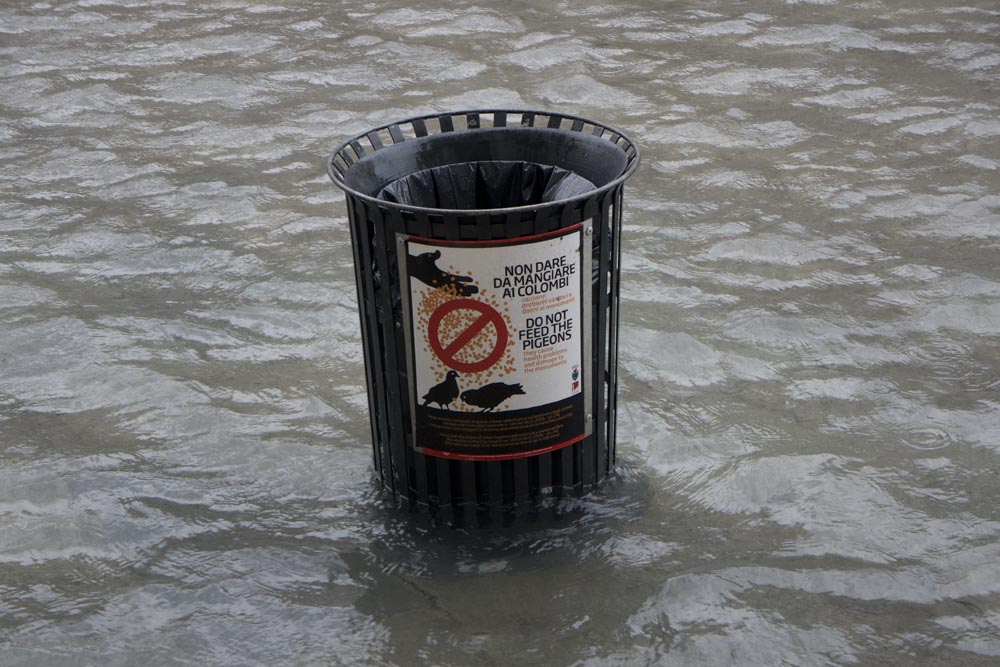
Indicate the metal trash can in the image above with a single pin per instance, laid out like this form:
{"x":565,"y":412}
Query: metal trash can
{"x":486,"y":252}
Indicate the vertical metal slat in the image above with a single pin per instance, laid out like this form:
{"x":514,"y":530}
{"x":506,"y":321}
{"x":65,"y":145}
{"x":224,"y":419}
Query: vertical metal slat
{"x":368,"y":268}
{"x":613,"y":343}
{"x":392,"y":340}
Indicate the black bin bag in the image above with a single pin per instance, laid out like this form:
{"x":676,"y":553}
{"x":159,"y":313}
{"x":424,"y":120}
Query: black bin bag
{"x":485,"y":185}
{"x":486,"y":253}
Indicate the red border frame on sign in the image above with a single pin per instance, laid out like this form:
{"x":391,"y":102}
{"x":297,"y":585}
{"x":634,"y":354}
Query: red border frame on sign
{"x":500,"y":457}
{"x":510,"y":241}
{"x":456,"y":456}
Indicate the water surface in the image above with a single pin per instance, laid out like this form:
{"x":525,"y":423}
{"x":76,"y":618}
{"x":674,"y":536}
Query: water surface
{"x":810,"y":436}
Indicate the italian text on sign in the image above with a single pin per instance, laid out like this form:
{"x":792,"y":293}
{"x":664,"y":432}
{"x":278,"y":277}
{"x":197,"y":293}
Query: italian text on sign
{"x":497,"y":338}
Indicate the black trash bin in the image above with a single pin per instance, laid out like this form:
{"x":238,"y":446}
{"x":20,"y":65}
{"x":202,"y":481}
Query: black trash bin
{"x":486,"y":252}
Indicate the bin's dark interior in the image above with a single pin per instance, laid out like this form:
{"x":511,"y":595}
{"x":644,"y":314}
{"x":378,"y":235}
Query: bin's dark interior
{"x":489,"y":168}
{"x":480,"y":185}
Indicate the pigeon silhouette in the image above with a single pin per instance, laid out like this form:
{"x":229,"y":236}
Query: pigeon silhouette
{"x":424,"y":268}
{"x":443,"y":392}
{"x":491,"y":395}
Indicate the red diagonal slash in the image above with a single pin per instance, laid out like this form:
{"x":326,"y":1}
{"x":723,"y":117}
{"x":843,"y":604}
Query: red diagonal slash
{"x":487,"y":315}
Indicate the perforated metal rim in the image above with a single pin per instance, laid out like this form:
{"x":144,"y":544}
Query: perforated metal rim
{"x":472,"y":119}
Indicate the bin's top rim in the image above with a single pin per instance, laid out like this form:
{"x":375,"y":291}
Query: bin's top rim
{"x":630,"y":167}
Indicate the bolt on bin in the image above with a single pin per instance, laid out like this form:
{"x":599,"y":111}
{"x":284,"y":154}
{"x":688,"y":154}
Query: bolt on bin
{"x":487,"y":259}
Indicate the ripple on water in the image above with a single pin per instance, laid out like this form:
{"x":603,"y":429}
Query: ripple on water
{"x":693,"y":616}
{"x":679,"y":359}
{"x":818,"y":341}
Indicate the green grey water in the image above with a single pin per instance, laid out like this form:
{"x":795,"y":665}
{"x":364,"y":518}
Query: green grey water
{"x":809,"y":443}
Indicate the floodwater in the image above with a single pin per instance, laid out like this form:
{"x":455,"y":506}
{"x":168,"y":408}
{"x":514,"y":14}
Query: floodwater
{"x":809,"y":448}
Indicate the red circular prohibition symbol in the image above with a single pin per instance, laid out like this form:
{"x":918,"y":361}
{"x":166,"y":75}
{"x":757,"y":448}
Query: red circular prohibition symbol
{"x":487,"y":315}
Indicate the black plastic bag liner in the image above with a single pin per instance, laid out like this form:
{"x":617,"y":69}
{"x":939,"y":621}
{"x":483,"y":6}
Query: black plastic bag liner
{"x":483,"y":168}
{"x":479,"y":185}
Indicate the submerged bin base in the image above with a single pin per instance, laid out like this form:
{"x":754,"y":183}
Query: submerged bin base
{"x":486,"y":251}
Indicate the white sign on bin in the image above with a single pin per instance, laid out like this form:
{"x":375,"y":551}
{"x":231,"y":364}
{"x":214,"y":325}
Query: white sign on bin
{"x":496,"y":338}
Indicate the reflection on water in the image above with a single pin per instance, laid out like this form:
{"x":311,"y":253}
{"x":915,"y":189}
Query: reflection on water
{"x":809,"y":411}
